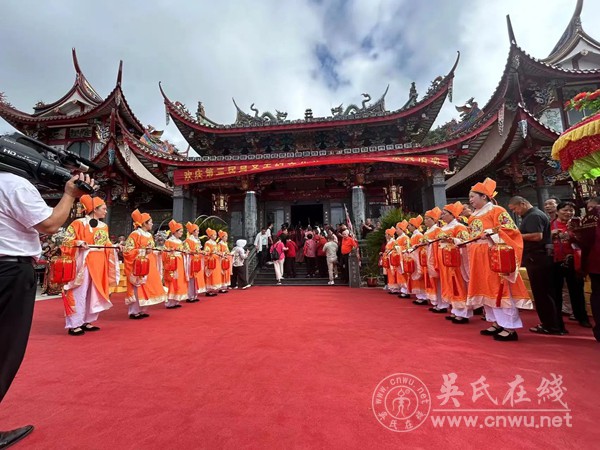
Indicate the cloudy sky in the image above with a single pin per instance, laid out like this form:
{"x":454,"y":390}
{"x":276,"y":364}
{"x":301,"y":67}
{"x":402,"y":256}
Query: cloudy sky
{"x":284,"y":55}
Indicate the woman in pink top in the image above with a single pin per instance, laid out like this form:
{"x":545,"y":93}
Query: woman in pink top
{"x":280,"y":248}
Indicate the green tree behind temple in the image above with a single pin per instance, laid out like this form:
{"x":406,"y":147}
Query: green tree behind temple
{"x":376,"y":239}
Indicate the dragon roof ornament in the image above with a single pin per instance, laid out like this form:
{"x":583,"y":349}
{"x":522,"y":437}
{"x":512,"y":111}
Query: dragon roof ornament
{"x":365,"y":110}
{"x":265,"y":118}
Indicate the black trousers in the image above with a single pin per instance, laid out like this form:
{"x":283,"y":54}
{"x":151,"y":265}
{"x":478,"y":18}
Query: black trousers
{"x":311,"y":265}
{"x":263,"y":257}
{"x":539,"y":267}
{"x":17,"y":296}
{"x":595,"y":303}
{"x":575,"y":286}
{"x":238,"y":276}
{"x":345,"y":268}
{"x":289,"y":267}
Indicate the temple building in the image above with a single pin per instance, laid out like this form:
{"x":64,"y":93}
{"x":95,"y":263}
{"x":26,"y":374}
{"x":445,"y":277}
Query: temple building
{"x":362,"y":158}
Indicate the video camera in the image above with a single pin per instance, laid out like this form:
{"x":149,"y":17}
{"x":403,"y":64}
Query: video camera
{"x":25,"y":157}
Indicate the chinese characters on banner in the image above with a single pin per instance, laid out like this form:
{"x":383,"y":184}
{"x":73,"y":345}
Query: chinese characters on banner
{"x":236,"y":168}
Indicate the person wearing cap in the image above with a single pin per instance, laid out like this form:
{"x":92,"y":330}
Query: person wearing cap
{"x":432,"y":274}
{"x":192,"y":245}
{"x":212,"y":276}
{"x":238,"y":275}
{"x":96,"y":268}
{"x":147,"y":290}
{"x":416,"y":282}
{"x":176,"y":281}
{"x":223,"y":250}
{"x":401,"y":245}
{"x":391,"y":271}
{"x":453,"y":279}
{"x":501,"y":295}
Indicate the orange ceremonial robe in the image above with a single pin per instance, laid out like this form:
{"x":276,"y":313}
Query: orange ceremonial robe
{"x":223,"y":249}
{"x":454,"y":285}
{"x":213,"y":277}
{"x":391,"y":271}
{"x":484,"y":284}
{"x":402,"y":244}
{"x":431,"y":274}
{"x":416,"y":281}
{"x":175,"y":281}
{"x":149,"y":289}
{"x":194,"y":246}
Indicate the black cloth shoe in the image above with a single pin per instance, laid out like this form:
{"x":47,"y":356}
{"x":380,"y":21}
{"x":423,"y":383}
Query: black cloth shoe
{"x":76,"y":331}
{"x":585,"y":324}
{"x":478,"y":311}
{"x":224,"y":291}
{"x":493,"y":330}
{"x":511,"y":336}
{"x":449,"y":317}
{"x":540,"y":329}
{"x":177,"y":306}
{"x":421,"y":302}
{"x":172,"y":307}
{"x":439,"y":311}
{"x":403,"y":295}
{"x":8,"y":438}
{"x":189,"y":300}
{"x":144,"y":315}
{"x":460,"y":320}
{"x":89,"y":327}
{"x":211,"y":294}
{"x":138,"y":316}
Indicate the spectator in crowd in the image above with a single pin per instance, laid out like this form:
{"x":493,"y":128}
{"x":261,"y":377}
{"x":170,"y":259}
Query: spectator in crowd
{"x":550,"y":207}
{"x":564,"y":264}
{"x":261,"y":242}
{"x":331,"y":249}
{"x":366,"y":228}
{"x":277,"y":251}
{"x":238,"y":275}
{"x":310,"y":254}
{"x":535,"y":230}
{"x":289,"y":265}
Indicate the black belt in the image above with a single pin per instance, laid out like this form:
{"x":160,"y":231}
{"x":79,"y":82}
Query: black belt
{"x":17,"y":259}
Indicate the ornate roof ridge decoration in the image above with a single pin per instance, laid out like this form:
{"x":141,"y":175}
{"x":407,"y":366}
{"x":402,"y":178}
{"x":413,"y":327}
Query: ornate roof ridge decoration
{"x":555,"y":68}
{"x":81,"y":86}
{"x":377,"y":110}
{"x":529,"y":115}
{"x":571,"y":36}
{"x":352,"y":110}
{"x":244,"y":119}
{"x":115,"y":99}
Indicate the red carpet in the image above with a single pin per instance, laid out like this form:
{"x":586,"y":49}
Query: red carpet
{"x":283,"y":368}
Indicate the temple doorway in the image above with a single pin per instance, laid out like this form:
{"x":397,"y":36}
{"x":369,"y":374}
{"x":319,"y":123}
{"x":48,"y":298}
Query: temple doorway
{"x":306,"y":215}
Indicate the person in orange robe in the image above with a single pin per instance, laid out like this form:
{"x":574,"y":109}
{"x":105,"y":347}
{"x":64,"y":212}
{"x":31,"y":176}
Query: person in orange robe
{"x":192,"y":244}
{"x":501,"y":295}
{"x":96,"y":268}
{"x":212,"y":270}
{"x":453,"y":279}
{"x":223,"y":250}
{"x":432,"y":275}
{"x":416,"y":282}
{"x":402,"y":244}
{"x":142,"y":291}
{"x":176,"y":281}
{"x":391,"y":271}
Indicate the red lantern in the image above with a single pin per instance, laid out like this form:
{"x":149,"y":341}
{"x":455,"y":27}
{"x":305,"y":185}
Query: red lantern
{"x":502,"y":258}
{"x":211,"y":263}
{"x":225,"y":264}
{"x":395,"y":259}
{"x":196,"y":264}
{"x":409,"y":264}
{"x":451,"y":256}
{"x":170,"y":263}
{"x":141,"y":266}
{"x":63,"y":270}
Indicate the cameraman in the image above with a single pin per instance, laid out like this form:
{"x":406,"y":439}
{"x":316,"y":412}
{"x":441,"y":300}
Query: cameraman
{"x":23,"y":214}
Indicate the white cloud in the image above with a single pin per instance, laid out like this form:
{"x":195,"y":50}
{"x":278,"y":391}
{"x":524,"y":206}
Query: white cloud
{"x":265,"y":52}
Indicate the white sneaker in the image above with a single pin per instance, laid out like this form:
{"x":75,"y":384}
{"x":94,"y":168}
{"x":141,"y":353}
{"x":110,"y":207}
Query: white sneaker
{"x":237,"y":287}
{"x":279,"y":283}
{"x":330,"y":282}
{"x":247,"y":286}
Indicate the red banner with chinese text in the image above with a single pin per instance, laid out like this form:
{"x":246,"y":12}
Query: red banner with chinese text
{"x":230,"y":169}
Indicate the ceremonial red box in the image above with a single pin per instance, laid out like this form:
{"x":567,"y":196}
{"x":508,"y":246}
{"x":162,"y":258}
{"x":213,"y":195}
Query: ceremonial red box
{"x":451,"y":256}
{"x":63,"y":270}
{"x":395,"y":259}
{"x":211,"y":263}
{"x":385,"y":262}
{"x":423,"y":257}
{"x":170,"y":263}
{"x":502,"y":258}
{"x":409,"y":264}
{"x":141,"y":266}
{"x":196,"y":263}
{"x":225,"y":264}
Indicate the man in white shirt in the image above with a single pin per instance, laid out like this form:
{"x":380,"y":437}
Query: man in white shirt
{"x":261,"y":242}
{"x":23,"y":214}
